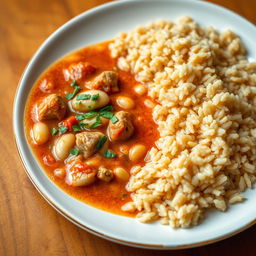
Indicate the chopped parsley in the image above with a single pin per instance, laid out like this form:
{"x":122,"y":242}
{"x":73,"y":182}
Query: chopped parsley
{"x":101,"y":142}
{"x":88,"y":115}
{"x":63,"y":129}
{"x":97,"y":123}
{"x":83,"y":97}
{"x":95,"y":97}
{"x":54,"y":131}
{"x":77,"y":103}
{"x":114,"y":119}
{"x":109,"y":154}
{"x":74,"y":151}
{"x":107,"y":108}
{"x":124,"y":195}
{"x":82,"y":125}
{"x":76,"y":128}
{"x":106,"y":114}
{"x":73,"y":83}
{"x":70,"y":96}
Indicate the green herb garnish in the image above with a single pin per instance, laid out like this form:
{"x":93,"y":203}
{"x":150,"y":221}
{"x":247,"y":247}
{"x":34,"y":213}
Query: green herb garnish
{"x":88,"y":115}
{"x":70,"y":96}
{"x":63,"y":129}
{"x":74,"y":151}
{"x":106,"y":114}
{"x":97,"y":123}
{"x":82,"y":125}
{"x":114,"y":119}
{"x":76,"y":128}
{"x":73,"y":83}
{"x":95,"y":97}
{"x":107,"y":108}
{"x":77,"y":103}
{"x":124,"y":195}
{"x":101,"y":142}
{"x":109,"y":154}
{"x":54,"y":131}
{"x":83,"y":97}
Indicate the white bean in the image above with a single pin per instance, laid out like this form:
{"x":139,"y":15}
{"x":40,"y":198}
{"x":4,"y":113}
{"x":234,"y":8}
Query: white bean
{"x":121,"y":173}
{"x":41,"y":133}
{"x":63,"y":145}
{"x":140,"y":89}
{"x":85,"y":105}
{"x":125,"y":102}
{"x":149,"y":104}
{"x":60,"y":172}
{"x":94,"y":161}
{"x":136,"y":152}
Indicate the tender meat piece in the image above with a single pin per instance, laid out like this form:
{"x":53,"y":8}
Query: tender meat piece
{"x":51,"y":107}
{"x":106,"y":81}
{"x":86,"y":142}
{"x":78,"y":71}
{"x":105,"y":174}
{"x":122,"y":129}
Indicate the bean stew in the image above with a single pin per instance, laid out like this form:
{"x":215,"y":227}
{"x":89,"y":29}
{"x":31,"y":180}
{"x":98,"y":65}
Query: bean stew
{"x":88,"y":124}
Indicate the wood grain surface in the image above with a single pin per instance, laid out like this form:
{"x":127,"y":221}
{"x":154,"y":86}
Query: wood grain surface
{"x":28,"y":225}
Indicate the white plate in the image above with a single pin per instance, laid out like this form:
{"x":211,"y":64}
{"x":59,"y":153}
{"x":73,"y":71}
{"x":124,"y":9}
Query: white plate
{"x":101,"y":24}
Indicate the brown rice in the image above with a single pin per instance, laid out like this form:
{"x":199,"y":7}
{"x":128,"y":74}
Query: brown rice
{"x":206,"y":93}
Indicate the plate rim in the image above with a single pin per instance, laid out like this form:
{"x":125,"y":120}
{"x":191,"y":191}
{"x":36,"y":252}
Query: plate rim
{"x":61,"y":29}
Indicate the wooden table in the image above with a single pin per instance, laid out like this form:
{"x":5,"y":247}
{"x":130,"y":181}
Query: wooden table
{"x":29,"y":226}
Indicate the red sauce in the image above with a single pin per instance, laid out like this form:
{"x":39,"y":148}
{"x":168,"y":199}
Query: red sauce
{"x":107,"y":196}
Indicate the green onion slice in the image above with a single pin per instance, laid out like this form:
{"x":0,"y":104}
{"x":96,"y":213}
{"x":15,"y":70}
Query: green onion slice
{"x":73,"y":83}
{"x":95,"y":97}
{"x":76,"y":128}
{"x":88,"y":115}
{"x":97,"y":123}
{"x":106,"y":114}
{"x":107,"y":108}
{"x":63,"y":129}
{"x":74,"y":151}
{"x":114,"y":119}
{"x":54,"y":131}
{"x":83,"y":96}
{"x":109,"y":154}
{"x":70,"y":96}
{"x":101,"y":142}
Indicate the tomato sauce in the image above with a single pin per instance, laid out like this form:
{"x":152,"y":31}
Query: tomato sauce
{"x":106,"y":196}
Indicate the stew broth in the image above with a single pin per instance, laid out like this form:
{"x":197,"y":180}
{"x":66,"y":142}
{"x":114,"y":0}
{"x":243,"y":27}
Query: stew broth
{"x":108,"y":196}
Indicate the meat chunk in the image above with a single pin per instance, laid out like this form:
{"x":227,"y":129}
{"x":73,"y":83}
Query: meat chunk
{"x":87,"y":142}
{"x":106,"y":81}
{"x":78,"y":71}
{"x":51,"y":107}
{"x":122,"y":129}
{"x":105,"y":174}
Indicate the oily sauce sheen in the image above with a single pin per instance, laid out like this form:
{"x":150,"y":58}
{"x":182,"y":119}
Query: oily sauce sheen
{"x":107,"y":196}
